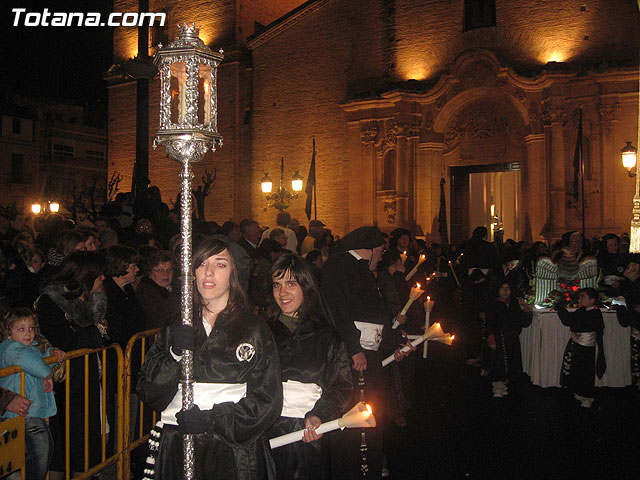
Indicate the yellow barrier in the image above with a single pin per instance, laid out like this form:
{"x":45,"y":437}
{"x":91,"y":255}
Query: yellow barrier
{"x":129,"y":386}
{"x":124,"y":443}
{"x":102,"y":359}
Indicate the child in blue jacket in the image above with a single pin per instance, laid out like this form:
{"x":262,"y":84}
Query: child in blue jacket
{"x":19,"y":329}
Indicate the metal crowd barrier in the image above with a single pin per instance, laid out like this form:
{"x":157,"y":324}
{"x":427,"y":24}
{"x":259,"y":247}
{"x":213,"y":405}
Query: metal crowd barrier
{"x":127,"y":436}
{"x":135,"y":435}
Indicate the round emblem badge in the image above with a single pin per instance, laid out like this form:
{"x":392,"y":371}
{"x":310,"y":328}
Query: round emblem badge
{"x":245,"y":352}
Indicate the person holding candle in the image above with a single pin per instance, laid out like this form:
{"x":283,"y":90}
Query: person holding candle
{"x":236,"y":369}
{"x":364,"y":323}
{"x":581,"y":364}
{"x":316,"y":373}
{"x":505,"y":317}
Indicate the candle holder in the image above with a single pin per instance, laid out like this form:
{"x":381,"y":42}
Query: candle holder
{"x":188,"y":128}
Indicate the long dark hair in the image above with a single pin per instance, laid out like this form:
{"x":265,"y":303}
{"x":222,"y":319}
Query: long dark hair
{"x":297,"y":267}
{"x":78,"y":272}
{"x":235,"y":311}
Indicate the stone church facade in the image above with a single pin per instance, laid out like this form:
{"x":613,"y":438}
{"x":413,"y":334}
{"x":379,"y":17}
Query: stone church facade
{"x":402,"y":94}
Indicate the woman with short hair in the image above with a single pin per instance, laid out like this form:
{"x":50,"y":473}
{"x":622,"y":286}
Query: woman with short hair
{"x":159,"y":300}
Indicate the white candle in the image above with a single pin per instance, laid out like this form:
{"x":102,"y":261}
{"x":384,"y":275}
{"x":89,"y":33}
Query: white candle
{"x":359,"y":416}
{"x":403,"y":256}
{"x":416,"y":291}
{"x":428,"y":306}
{"x":415,"y":269}
{"x":434,"y":331}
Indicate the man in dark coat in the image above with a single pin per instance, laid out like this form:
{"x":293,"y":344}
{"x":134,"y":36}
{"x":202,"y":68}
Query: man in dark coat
{"x":364,"y":323}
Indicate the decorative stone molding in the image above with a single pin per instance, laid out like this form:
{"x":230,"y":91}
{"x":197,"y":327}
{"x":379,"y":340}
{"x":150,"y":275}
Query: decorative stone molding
{"x":550,"y":113}
{"x":369,"y":133}
{"x":390,"y":210}
{"x":609,"y":114}
{"x":482,"y":124}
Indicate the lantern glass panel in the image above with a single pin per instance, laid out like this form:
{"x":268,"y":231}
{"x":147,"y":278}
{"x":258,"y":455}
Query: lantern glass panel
{"x":178,"y":92}
{"x":204,"y":95}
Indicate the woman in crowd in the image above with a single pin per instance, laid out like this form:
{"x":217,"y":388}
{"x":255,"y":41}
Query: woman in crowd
{"x":155,"y":292}
{"x":316,"y":371}
{"x":71,"y":311}
{"x":237,"y":390}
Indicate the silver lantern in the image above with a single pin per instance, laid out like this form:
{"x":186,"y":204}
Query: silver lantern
{"x":188,"y":128}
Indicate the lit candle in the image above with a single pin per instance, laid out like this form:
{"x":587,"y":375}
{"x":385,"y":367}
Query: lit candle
{"x":360,"y":416}
{"x":428,"y":306}
{"x":403,"y":256}
{"x":434,"y":331}
{"x":454,"y":273}
{"x":416,"y":291}
{"x":415,"y":269}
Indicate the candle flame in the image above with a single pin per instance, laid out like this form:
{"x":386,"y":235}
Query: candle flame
{"x":428,"y":298}
{"x":422,"y":257}
{"x":417,"y":285}
{"x":404,"y":252}
{"x":438,"y":325}
{"x":452,"y":337}
{"x":369,"y":410}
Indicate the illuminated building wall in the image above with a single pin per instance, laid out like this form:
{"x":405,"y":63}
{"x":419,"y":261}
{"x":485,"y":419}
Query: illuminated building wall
{"x":399,"y":92}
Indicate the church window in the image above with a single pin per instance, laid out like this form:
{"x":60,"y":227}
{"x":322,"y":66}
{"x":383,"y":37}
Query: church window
{"x":17,"y":168}
{"x":479,"y":13}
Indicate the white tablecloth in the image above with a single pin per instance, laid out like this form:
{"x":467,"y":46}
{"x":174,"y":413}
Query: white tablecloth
{"x":544,"y":341}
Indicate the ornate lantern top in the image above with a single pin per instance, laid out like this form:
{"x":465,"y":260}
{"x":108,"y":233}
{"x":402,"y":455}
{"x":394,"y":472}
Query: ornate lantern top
{"x":188,"y":106}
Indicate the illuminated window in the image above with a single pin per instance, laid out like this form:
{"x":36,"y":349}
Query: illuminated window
{"x":479,"y":13}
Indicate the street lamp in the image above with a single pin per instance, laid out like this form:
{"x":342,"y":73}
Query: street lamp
{"x":50,"y":206}
{"x":629,"y":153}
{"x":36,"y":208}
{"x":281,"y":198}
{"x":188,"y":128}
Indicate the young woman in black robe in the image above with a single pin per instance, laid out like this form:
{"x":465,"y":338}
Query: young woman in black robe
{"x":237,"y":390}
{"x":316,"y":370}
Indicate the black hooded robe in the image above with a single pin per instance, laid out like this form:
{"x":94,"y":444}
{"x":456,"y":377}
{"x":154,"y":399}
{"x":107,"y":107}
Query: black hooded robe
{"x":235,"y":446}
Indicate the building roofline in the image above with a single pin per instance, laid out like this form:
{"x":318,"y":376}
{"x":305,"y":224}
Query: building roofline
{"x":283,"y":23}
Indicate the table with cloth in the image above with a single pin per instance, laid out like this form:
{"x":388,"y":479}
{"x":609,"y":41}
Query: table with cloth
{"x":544,"y":341}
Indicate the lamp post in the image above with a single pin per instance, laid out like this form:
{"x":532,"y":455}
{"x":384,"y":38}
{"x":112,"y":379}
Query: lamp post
{"x":280,"y":199}
{"x":188,"y":128}
{"x":629,"y":160}
{"x":51,"y":206}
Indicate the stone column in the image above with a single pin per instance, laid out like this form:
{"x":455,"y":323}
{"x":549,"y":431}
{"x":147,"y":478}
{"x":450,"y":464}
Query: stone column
{"x":608,"y":113}
{"x":552,"y":118}
{"x":362,"y":174}
{"x":427,"y":187}
{"x":536,"y":169}
{"x":403,"y":175}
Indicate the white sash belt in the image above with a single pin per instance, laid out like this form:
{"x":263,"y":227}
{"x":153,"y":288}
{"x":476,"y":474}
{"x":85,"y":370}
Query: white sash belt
{"x":205,"y":395}
{"x":299,"y":398}
{"x":370,"y":335}
{"x":586,"y":339}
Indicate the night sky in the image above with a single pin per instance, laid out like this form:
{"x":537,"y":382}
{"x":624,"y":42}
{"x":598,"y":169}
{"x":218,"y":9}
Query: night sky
{"x":57,"y":62}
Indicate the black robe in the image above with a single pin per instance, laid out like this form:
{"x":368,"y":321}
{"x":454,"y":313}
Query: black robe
{"x":350,"y":290}
{"x":579,"y":365}
{"x":311,"y":354}
{"x":235,"y":446}
{"x":504,"y":320}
